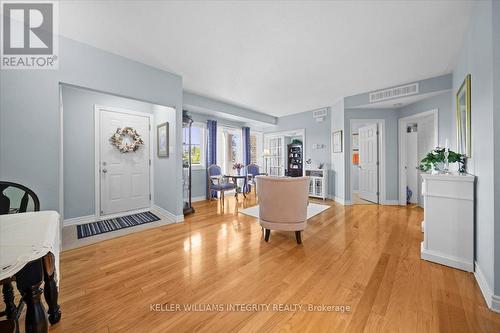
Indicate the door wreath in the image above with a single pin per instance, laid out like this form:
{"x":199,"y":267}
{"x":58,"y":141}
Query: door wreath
{"x":118,"y":141}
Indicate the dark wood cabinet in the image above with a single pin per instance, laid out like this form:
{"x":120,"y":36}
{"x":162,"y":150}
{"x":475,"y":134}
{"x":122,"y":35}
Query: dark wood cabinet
{"x":295,"y":160}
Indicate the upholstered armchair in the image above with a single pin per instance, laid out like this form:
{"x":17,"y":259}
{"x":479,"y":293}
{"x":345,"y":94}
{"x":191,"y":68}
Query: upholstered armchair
{"x":283,"y":204}
{"x":217,"y":183}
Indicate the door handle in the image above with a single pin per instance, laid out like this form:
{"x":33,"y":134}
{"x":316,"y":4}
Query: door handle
{"x":104,"y":170}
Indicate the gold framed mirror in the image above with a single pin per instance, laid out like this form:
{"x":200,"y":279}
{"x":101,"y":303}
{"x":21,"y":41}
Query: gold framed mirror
{"x":464,"y":117}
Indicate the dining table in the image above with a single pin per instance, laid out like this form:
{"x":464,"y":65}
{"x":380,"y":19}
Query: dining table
{"x":29,"y":256}
{"x":239,"y":189}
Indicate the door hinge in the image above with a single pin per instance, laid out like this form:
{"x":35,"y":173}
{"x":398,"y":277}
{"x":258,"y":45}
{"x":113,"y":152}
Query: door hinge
{"x":149,"y":196}
{"x":378,"y":163}
{"x":149,"y":161}
{"x":150,"y":127}
{"x":378,"y":193}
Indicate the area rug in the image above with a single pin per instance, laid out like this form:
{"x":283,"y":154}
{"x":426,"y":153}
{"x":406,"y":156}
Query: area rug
{"x":100,"y":227}
{"x":312,"y":210}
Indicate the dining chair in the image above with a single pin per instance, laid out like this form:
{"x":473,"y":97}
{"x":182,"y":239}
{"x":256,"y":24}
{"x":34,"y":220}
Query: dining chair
{"x":14,"y":198}
{"x":17,"y":198}
{"x":252,"y":171}
{"x":217,"y":183}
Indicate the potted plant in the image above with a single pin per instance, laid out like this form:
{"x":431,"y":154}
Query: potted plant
{"x":436,"y":159}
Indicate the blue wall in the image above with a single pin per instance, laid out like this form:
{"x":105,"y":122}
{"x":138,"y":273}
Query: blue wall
{"x":79,"y":146}
{"x":476,"y":58}
{"x":391,"y":147}
{"x":446,"y":114}
{"x":30,"y":116}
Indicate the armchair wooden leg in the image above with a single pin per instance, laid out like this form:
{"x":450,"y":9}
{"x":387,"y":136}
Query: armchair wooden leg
{"x":268,"y":233}
{"x":298,"y":237}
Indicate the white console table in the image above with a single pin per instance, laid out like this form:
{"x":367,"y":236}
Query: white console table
{"x":318,"y":183}
{"x":449,"y":220}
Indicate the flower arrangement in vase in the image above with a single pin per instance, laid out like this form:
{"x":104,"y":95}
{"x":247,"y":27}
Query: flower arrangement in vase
{"x":238,"y":166}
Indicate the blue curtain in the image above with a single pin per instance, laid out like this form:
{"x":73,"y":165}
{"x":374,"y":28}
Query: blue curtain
{"x":211,"y":151}
{"x":246,"y":151}
{"x":246,"y":146}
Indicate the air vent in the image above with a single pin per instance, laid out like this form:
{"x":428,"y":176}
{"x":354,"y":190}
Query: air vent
{"x":320,"y":113}
{"x":401,"y":91}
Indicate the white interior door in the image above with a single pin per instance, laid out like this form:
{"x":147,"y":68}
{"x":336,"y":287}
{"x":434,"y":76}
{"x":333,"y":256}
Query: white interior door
{"x":124,"y":177}
{"x":412,"y":166}
{"x":426,"y":142}
{"x":368,"y":163}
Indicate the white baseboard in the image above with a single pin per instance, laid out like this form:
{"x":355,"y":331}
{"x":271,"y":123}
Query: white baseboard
{"x":80,"y":220}
{"x":173,"y":218}
{"x":199,"y":198}
{"x":92,"y":218}
{"x":390,"y":202}
{"x":492,"y":300}
{"x":446,"y":260}
{"x":341,"y":201}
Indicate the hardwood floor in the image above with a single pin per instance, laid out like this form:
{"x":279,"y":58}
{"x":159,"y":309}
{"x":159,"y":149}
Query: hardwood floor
{"x":365,"y":257}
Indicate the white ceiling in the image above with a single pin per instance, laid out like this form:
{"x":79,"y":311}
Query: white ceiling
{"x":277,"y":57}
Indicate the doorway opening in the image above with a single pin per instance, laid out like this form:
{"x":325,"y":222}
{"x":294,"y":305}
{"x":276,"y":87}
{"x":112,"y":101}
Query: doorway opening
{"x":285,"y":153}
{"x":418,"y":134}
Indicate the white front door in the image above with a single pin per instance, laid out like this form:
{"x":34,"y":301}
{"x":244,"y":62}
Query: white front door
{"x":124,"y":177}
{"x":368,"y":163}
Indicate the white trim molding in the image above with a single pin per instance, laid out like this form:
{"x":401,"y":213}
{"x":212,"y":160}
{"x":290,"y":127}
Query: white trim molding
{"x":492,"y":300}
{"x":198,"y":198}
{"x":390,"y":202}
{"x":168,"y":215}
{"x":340,"y":200}
{"x":164,"y":214}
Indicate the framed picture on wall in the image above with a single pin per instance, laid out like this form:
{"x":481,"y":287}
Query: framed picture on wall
{"x":162,"y":140}
{"x":337,"y":141}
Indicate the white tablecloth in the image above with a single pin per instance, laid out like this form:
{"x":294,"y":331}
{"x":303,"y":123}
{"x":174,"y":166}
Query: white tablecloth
{"x":28,"y":236}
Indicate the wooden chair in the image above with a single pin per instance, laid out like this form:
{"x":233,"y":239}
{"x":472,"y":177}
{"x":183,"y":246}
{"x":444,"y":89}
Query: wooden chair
{"x":14,"y":198}
{"x":12,"y":192}
{"x":252,"y":171}
{"x":8,"y":326}
{"x":217,"y":183}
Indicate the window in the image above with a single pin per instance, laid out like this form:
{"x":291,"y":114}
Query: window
{"x":253,"y":149}
{"x":229,"y":148}
{"x":197,"y":145}
{"x":256,"y":148}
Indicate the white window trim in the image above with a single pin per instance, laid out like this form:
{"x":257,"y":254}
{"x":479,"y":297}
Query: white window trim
{"x":203,"y":140}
